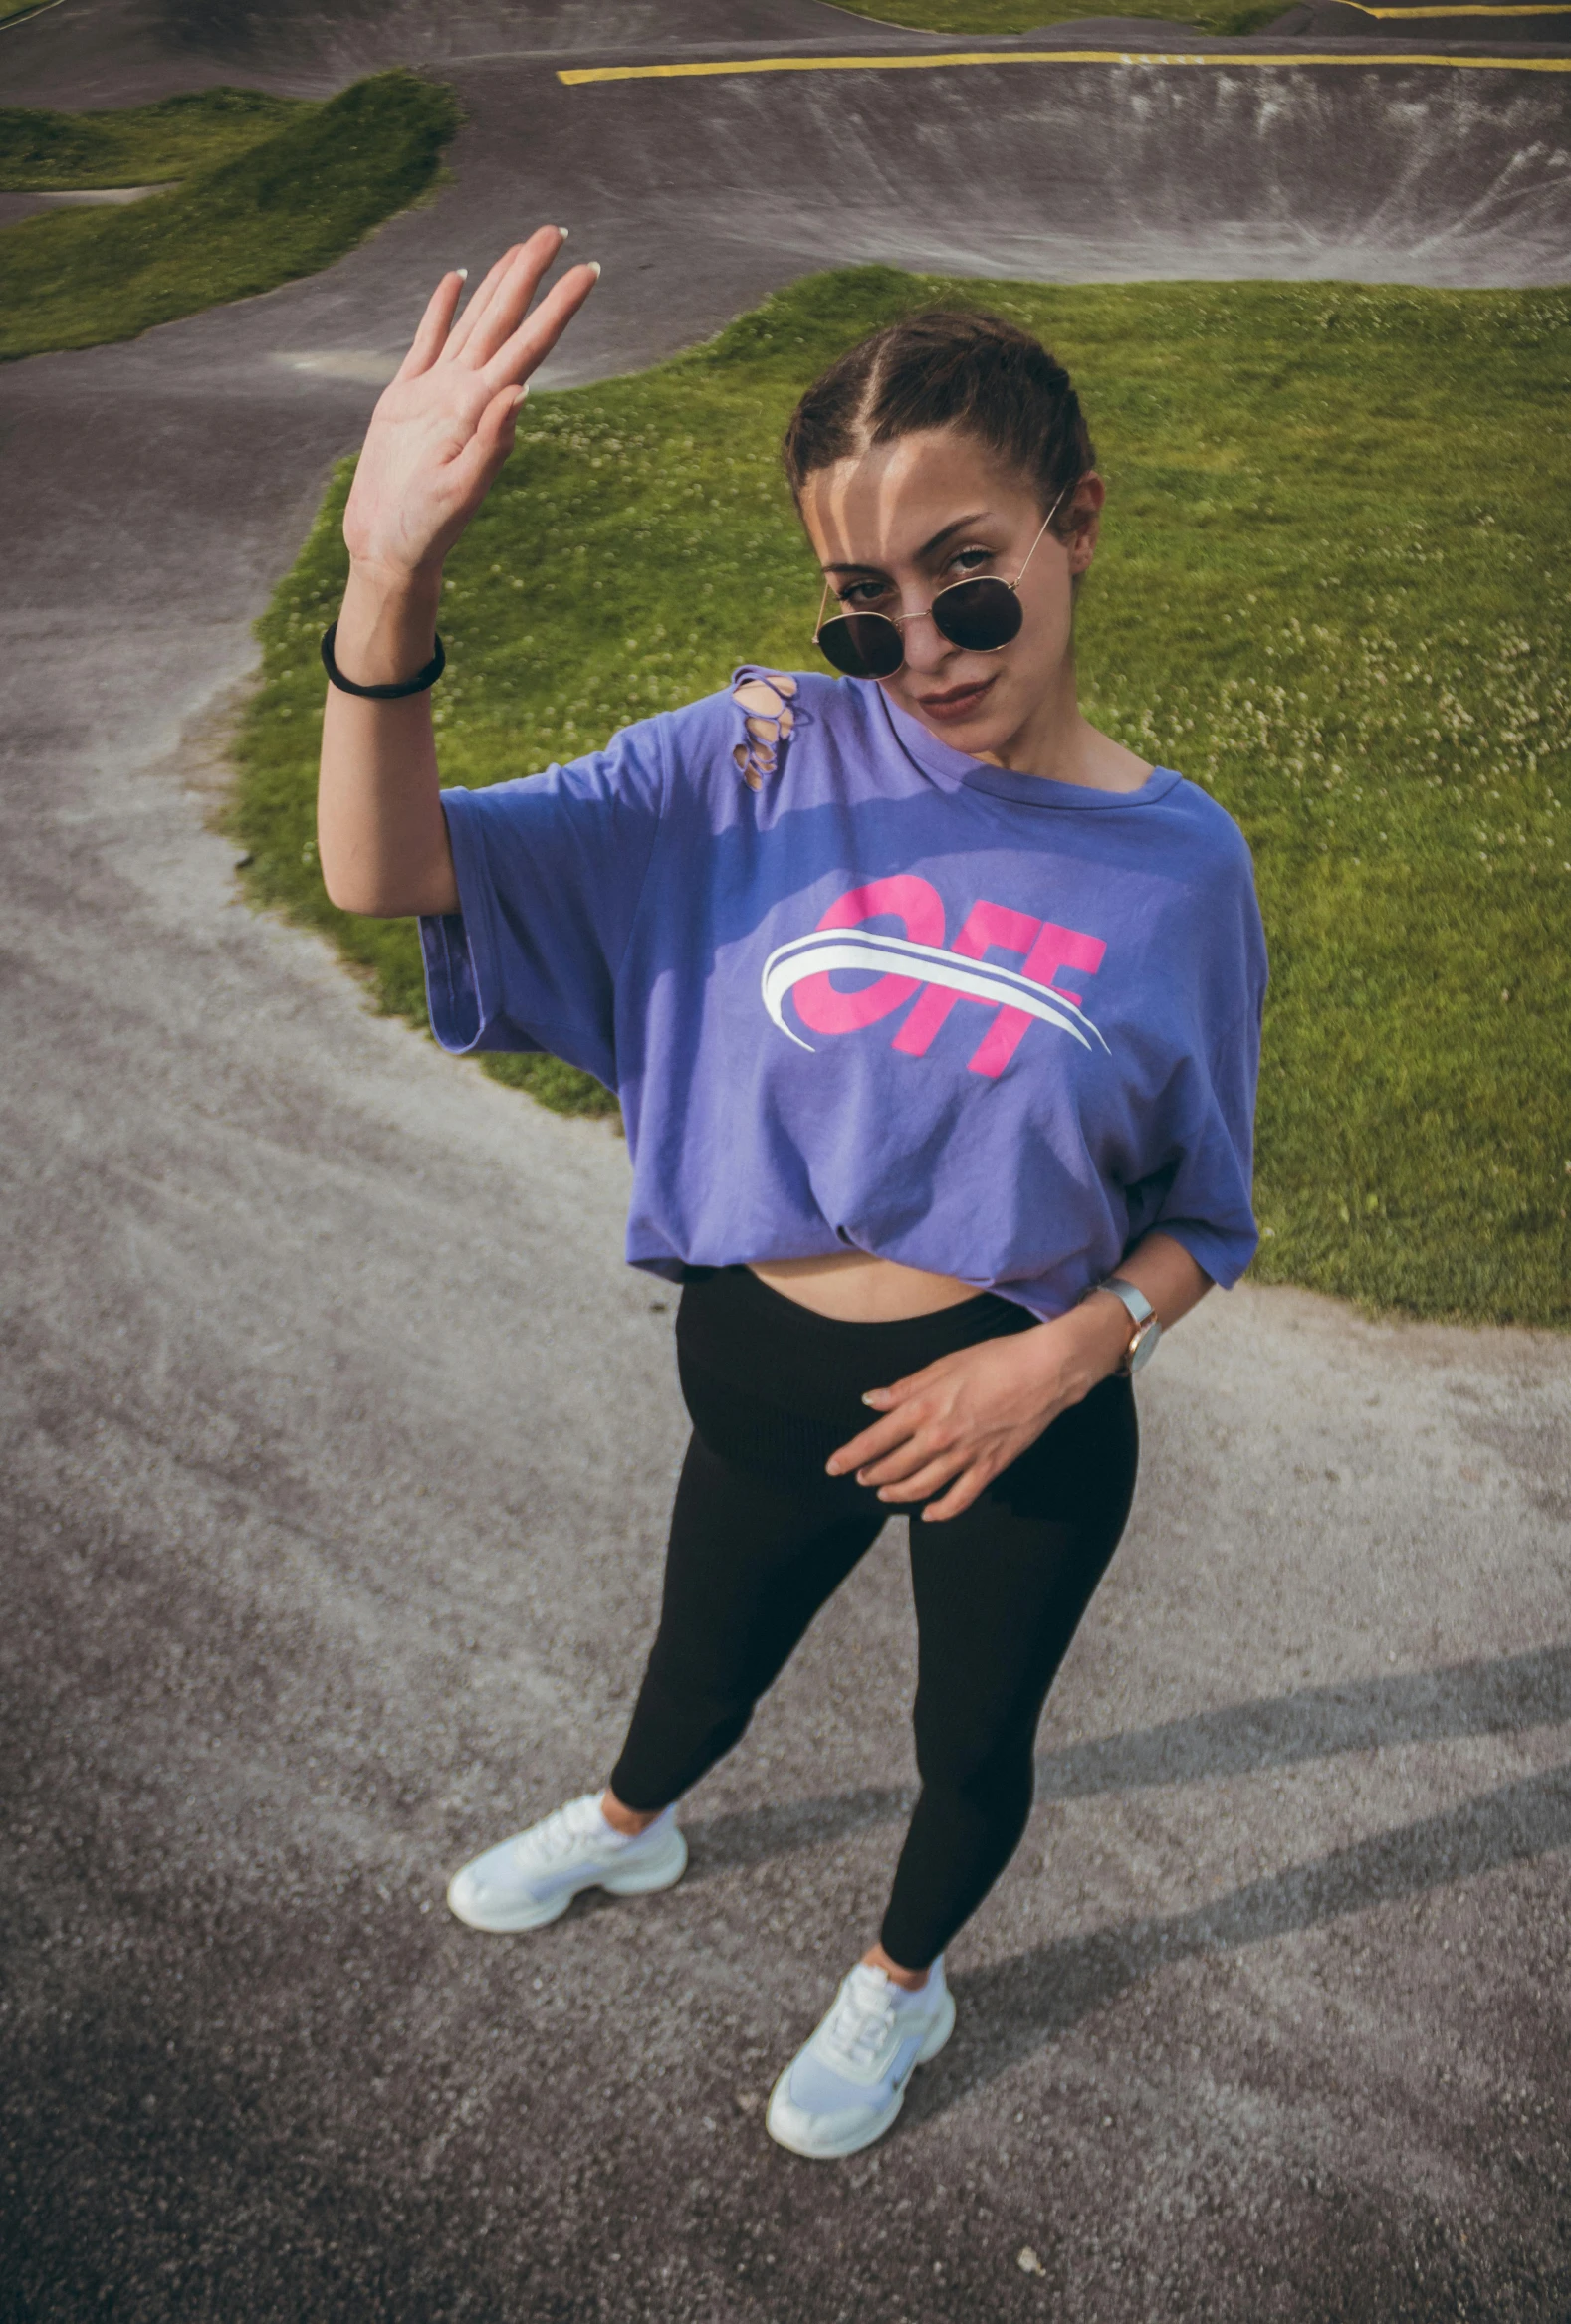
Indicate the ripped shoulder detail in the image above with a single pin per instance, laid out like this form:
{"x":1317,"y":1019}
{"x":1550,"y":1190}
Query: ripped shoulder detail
{"x":765,"y":699}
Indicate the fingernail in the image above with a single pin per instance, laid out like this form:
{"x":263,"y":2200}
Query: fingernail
{"x":461,"y":273}
{"x":885,"y":1493}
{"x":871,"y":1396}
{"x":594,"y":268}
{"x":832,"y":1468}
{"x":520,"y":395}
{"x":562,"y":231}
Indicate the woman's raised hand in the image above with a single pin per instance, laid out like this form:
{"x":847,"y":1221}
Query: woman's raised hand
{"x":442,"y":430}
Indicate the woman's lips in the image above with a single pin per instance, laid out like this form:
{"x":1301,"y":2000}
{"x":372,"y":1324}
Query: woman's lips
{"x":956,"y":702}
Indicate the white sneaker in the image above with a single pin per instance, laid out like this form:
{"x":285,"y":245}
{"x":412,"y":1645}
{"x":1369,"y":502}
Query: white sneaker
{"x":532,"y":1878}
{"x":845,"y":2087}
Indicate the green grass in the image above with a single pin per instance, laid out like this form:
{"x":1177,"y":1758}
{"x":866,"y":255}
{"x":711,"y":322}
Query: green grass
{"x":1333,"y":587}
{"x":306,"y":184}
{"x":48,"y":152}
{"x":979,"y":18}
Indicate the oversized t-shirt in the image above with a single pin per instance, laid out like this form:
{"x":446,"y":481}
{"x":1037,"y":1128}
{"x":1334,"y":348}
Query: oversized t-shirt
{"x":893,"y":999}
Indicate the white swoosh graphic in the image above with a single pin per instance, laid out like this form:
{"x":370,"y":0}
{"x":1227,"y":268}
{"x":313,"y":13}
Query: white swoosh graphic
{"x":847,"y":947}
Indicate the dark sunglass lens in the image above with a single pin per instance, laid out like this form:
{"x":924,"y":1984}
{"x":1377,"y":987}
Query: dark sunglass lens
{"x":862,"y":645}
{"x":978,"y":616}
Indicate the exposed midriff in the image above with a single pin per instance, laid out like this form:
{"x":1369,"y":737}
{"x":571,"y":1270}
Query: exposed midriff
{"x":853,"y":1287}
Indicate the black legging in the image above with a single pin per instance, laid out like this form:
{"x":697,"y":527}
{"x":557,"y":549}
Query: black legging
{"x":760,"y":1538}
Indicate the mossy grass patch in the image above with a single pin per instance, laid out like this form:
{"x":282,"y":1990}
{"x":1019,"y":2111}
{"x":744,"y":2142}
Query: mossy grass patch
{"x":1332,"y":588}
{"x":269,"y":189}
{"x":143,"y":145}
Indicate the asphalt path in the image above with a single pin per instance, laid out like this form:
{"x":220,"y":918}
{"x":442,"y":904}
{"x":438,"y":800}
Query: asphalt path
{"x":337,"y":1442}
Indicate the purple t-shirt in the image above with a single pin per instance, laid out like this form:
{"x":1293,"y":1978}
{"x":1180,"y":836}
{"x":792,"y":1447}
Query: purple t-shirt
{"x":893,"y":1001}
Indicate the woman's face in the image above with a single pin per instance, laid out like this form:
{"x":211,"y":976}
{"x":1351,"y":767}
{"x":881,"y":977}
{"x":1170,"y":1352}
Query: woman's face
{"x":903,"y":521}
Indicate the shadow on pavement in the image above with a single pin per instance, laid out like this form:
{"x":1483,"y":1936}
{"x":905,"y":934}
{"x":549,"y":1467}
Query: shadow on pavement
{"x":1422,"y":1706}
{"x":1500,"y":1697}
{"x":1017,"y":2007}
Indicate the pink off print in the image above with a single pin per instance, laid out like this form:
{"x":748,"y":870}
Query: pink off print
{"x":1046,"y":947}
{"x":904,"y":896}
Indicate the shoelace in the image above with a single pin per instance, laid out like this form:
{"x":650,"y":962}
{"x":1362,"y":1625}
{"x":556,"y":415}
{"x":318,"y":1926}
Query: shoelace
{"x":560,"y":1834}
{"x":861,"y":2023}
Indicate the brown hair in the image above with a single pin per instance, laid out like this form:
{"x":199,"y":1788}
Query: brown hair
{"x":941,"y":369}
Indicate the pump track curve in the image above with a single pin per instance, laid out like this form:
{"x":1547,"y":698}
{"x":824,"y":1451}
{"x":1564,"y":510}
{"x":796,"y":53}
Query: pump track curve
{"x":336,"y":1440}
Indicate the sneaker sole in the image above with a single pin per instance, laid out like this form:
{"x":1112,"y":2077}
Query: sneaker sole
{"x":831,"y":2150}
{"x":644,"y":1880}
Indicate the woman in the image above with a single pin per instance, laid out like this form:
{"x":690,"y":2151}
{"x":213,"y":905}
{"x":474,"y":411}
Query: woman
{"x":934,"y":1013}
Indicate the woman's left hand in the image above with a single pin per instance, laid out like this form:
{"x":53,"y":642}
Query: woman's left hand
{"x":960,"y":1422}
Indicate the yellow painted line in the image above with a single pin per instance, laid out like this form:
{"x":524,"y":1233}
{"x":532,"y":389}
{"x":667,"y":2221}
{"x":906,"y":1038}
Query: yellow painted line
{"x":577,"y":75}
{"x":1482,"y":8}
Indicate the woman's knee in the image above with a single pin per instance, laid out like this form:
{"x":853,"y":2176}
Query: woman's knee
{"x":994,"y":1781}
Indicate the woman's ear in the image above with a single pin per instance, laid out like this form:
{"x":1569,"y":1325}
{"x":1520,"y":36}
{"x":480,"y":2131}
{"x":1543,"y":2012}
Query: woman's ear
{"x":1085,"y":522}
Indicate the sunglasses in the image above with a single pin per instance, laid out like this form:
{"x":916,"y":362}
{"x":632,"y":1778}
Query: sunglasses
{"x":981,"y":616}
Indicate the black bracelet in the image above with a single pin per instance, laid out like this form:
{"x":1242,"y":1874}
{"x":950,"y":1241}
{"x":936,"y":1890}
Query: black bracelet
{"x":420,"y":683}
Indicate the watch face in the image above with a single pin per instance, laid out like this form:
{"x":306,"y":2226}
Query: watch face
{"x":1144,"y":1344}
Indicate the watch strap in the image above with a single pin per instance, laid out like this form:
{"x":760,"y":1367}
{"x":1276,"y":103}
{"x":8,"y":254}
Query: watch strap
{"x":1142,"y":1314}
{"x":1140,"y":1307}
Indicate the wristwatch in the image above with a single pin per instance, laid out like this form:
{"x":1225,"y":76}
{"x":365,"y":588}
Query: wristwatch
{"x":1148,"y":1331}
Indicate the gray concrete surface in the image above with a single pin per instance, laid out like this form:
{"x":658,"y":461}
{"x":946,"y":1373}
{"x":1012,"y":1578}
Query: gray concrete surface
{"x":337,"y":1444}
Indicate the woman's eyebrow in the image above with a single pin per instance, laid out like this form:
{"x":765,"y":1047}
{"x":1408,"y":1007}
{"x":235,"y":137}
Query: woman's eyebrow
{"x":957,"y":524}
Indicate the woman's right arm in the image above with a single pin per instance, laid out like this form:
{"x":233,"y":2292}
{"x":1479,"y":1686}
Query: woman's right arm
{"x":437,"y":439}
